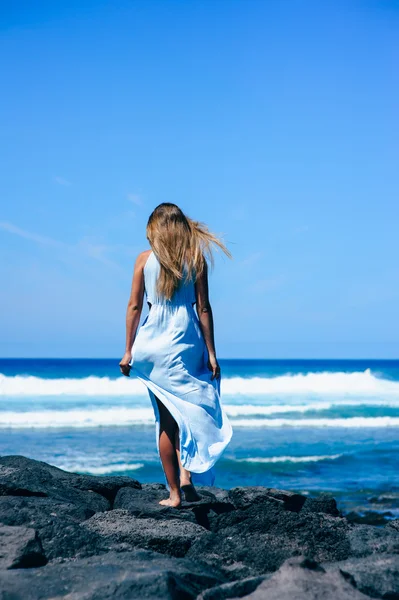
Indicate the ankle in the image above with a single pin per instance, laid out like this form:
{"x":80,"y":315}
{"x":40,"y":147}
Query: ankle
{"x":185,"y":481}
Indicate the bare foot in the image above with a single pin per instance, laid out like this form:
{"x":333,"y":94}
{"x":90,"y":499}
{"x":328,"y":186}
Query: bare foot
{"x":190,"y":493}
{"x":174,"y":501}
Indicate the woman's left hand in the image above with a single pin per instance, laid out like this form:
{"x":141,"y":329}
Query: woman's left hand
{"x":214,"y":366}
{"x":124,"y":364}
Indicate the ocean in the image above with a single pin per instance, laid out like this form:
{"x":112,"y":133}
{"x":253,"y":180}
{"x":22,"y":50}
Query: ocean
{"x":306,"y":425}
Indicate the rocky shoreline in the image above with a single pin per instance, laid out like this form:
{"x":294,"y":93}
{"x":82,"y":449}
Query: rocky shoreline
{"x":82,"y":537}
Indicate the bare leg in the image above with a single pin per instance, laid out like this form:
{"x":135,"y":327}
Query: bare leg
{"x":187,"y":487}
{"x":167,"y":451}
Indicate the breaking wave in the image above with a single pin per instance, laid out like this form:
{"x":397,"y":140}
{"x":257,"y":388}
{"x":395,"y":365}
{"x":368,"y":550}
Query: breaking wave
{"x":361,"y":383}
{"x":121,"y":416}
{"x":103,"y":470}
{"x":289,"y":459}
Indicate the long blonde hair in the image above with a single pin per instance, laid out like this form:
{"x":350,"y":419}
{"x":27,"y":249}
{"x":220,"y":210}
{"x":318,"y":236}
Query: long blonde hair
{"x":179,"y":242}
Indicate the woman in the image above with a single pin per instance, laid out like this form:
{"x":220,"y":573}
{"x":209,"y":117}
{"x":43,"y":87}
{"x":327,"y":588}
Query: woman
{"x":174,"y":354}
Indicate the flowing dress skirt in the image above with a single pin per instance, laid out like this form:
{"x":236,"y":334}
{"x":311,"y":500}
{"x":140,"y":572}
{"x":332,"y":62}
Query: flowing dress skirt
{"x":170,"y":357}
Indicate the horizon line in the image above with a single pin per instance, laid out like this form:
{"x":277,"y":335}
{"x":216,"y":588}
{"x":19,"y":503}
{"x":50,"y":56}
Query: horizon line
{"x":291,"y":358}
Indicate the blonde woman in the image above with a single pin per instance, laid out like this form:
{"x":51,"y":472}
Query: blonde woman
{"x":173,"y":352}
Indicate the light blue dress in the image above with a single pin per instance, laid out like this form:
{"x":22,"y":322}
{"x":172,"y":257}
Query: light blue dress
{"x":169,"y":356}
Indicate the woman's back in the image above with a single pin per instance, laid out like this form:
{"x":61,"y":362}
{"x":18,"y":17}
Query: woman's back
{"x":185,"y":294}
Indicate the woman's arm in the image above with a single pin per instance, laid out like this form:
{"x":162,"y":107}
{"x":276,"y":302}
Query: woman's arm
{"x":205,"y":316}
{"x":133,"y":312}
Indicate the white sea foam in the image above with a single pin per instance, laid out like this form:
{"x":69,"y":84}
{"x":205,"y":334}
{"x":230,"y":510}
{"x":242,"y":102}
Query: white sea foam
{"x":236,"y":410}
{"x":121,"y":416}
{"x":352,"y":422}
{"x":103,"y":470}
{"x":362,"y":383}
{"x":292,"y":459}
{"x":78,"y":418}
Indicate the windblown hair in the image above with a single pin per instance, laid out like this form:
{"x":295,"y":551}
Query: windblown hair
{"x":181,"y":246}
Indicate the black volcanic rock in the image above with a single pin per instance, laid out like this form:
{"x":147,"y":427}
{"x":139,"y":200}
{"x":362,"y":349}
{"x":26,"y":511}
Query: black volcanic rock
{"x":169,"y":536}
{"x":301,"y":579}
{"x":116,"y":576}
{"x":20,"y":548}
{"x":324,"y":503}
{"x":367,"y":539}
{"x":260,"y":537}
{"x":144,"y":503}
{"x":108,"y":537}
{"x":222,"y":496}
{"x":374,"y":575}
{"x":394,"y":524}
{"x":21,"y":476}
{"x":56,"y":523}
{"x":38,"y":512}
{"x":244,"y":497}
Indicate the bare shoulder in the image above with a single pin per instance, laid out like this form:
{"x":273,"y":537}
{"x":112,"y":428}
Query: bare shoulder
{"x":142,"y":259}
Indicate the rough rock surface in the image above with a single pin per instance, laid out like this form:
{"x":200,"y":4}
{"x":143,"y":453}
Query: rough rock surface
{"x":56,"y":522}
{"x":377,"y":576}
{"x":262,"y":533}
{"x":245,"y":497}
{"x":367,"y":539}
{"x":394,"y":524}
{"x":116,"y":575}
{"x":212,"y":503}
{"x":324,"y":503}
{"x":20,"y":476}
{"x":302,"y":578}
{"x":169,"y":536}
{"x":65,"y":535}
{"x":20,"y":548}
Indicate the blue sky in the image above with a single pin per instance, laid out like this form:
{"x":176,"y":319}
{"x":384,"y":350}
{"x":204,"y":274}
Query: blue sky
{"x":275,"y":122}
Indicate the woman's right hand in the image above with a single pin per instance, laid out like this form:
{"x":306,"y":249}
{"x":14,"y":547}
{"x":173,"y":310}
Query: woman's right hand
{"x":124,"y":364}
{"x":213,"y":366}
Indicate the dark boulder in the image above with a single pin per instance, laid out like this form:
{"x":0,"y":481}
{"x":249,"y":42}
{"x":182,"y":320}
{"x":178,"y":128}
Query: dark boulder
{"x":20,"y":476}
{"x":303,"y":579}
{"x":110,"y":538}
{"x":172,"y":536}
{"x":374,"y":575}
{"x":36,"y":512}
{"x":20,"y":548}
{"x":367,"y":539}
{"x":116,"y":575}
{"x":244,"y":497}
{"x":221,"y":495}
{"x":324,"y":503}
{"x":259,"y":538}
{"x":394,"y":524}
{"x":144,"y":503}
{"x":105,"y":485}
{"x":56,"y":523}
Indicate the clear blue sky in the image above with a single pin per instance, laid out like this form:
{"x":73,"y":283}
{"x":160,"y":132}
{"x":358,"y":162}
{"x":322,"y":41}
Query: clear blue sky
{"x":276,"y":122}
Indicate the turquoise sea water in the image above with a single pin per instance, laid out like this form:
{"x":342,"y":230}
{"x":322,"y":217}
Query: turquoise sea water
{"x":298,"y":424}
